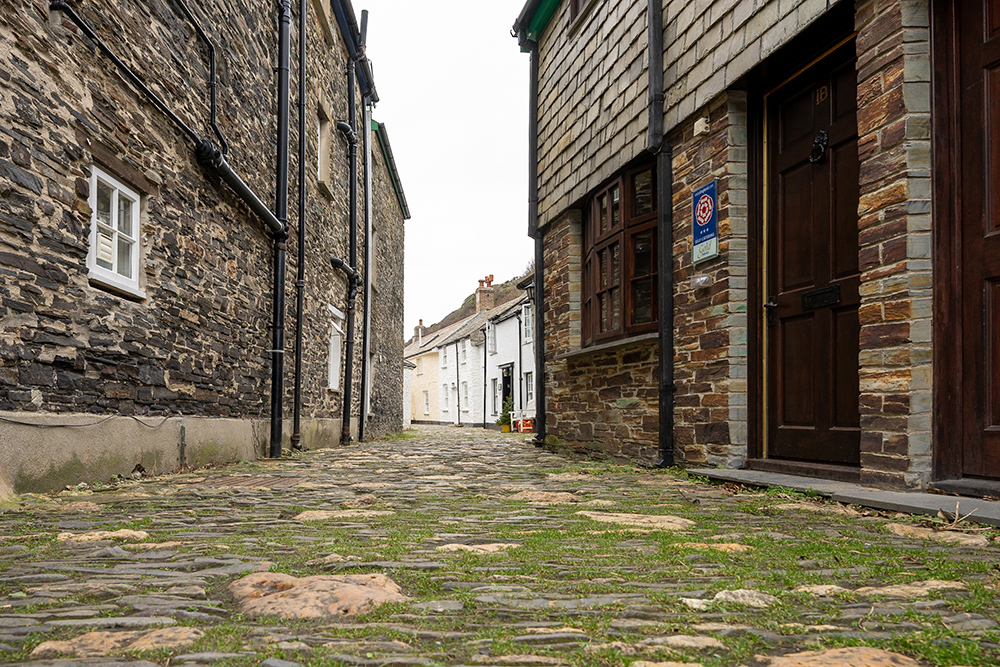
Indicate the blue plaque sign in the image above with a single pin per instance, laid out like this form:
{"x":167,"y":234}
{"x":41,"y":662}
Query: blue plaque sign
{"x":705,"y":204}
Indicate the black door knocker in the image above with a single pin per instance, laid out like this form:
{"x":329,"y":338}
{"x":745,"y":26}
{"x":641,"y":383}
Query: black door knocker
{"x":819,"y":147}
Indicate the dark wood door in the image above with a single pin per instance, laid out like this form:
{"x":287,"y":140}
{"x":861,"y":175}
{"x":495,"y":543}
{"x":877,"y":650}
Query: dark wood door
{"x":978,"y":42}
{"x":812,"y":264}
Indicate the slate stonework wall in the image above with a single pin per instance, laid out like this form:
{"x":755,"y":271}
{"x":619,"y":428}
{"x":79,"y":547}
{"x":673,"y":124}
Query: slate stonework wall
{"x":198,"y":344}
{"x":894,"y":127}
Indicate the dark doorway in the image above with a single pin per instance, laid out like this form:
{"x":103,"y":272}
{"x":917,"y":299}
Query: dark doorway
{"x":811,"y":264}
{"x":967,"y":270}
{"x":506,"y":385}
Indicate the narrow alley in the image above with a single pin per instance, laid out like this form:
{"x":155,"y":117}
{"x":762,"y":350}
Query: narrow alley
{"x":483,"y":550}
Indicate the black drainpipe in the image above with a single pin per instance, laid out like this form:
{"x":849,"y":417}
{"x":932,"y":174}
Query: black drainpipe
{"x":300,"y":273}
{"x":366,"y":143}
{"x":352,"y":138}
{"x":665,"y":236}
{"x":352,"y":294}
{"x":212,"y":84}
{"x":539,"y":236}
{"x":520,"y":362}
{"x":281,"y":212}
{"x":458,"y":388}
{"x":486,"y":351}
{"x":209,"y":157}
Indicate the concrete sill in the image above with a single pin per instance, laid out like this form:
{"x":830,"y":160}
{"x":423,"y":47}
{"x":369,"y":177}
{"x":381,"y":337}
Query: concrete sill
{"x":613,"y":345}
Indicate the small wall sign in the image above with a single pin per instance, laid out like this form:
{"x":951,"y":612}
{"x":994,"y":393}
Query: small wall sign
{"x":705,"y":204}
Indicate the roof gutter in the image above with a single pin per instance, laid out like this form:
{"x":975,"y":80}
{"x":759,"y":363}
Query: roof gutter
{"x":397,"y":184}
{"x":532,"y":21}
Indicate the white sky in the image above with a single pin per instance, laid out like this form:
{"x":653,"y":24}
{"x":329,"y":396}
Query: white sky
{"x":454,"y":97}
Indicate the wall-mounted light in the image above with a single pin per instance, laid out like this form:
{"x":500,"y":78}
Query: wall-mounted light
{"x":530,"y":289}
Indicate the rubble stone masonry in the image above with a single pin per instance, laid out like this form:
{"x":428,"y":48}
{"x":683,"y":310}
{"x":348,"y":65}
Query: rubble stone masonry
{"x":198,"y":344}
{"x":894,"y":127}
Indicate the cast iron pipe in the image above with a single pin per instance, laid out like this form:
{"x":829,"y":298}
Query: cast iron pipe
{"x":210,"y":157}
{"x":281,"y":211}
{"x":352,"y":294}
{"x":458,"y":389}
{"x":352,"y":138}
{"x":300,"y":269}
{"x":485,"y":354}
{"x":539,"y":236}
{"x":665,"y":234}
{"x":212,"y":85}
{"x":520,"y":362}
{"x":366,"y":327}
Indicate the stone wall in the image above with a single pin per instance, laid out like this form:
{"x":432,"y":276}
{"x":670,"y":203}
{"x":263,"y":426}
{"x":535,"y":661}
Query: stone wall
{"x":198,"y":344}
{"x":894,"y":129}
{"x":710,"y":298}
{"x":593,"y":78}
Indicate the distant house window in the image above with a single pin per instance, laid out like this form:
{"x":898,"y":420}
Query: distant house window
{"x":444,"y":397}
{"x":465,"y":396}
{"x":619,"y":258}
{"x":444,"y":357}
{"x":494,"y":395}
{"x":526,"y":320}
{"x":113,"y":259}
{"x":529,"y":387}
{"x":420,"y":366}
{"x":427,"y":402}
{"x":491,"y":339}
{"x":465,"y":350}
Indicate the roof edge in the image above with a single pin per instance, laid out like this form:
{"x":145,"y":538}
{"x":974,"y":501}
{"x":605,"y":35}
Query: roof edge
{"x":397,"y":184}
{"x":532,"y":21}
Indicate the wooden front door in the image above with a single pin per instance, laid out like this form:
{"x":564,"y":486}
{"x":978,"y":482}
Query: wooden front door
{"x":812,"y":275}
{"x":978,"y":188}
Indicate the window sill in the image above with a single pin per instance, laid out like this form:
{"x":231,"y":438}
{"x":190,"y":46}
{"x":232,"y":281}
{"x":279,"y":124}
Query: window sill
{"x":121,"y":288}
{"x":581,"y":18}
{"x":613,"y":345}
{"x":323,"y":187}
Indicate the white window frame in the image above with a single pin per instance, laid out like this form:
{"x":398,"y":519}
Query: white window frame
{"x":101,"y":275}
{"x":526,"y":316}
{"x":444,"y":357}
{"x":465,"y":396}
{"x":444,"y":397}
{"x":336,"y":345}
{"x":491,"y":340}
{"x":427,"y":402}
{"x":464,"y":350}
{"x":529,"y":387}
{"x":420,"y":366}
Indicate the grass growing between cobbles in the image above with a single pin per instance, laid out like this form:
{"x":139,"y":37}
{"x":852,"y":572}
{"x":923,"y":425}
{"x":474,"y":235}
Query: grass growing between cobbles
{"x":612,"y":586}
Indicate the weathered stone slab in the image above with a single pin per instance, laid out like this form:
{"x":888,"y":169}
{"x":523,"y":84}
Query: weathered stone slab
{"x":273,"y":594}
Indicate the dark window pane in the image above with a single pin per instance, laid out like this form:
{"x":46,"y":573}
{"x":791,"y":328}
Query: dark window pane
{"x":602,"y":205}
{"x":615,"y":207}
{"x":642,"y":299}
{"x":603,"y":258}
{"x":602,"y":300}
{"x":616,"y":308}
{"x":643,"y":184}
{"x":615,"y":265}
{"x":643,"y":254}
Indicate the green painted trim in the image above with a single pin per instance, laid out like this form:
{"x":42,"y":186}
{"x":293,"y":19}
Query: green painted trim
{"x":383,"y":141}
{"x":541,"y":18}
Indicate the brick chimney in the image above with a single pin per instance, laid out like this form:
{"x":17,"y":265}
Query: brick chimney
{"x":484,"y":294}
{"x":418,"y":332}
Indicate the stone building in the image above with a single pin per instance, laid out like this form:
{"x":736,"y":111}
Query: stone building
{"x":796,"y":203}
{"x":138,"y":283}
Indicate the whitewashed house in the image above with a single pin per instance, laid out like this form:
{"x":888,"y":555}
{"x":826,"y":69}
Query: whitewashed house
{"x":510,"y":363}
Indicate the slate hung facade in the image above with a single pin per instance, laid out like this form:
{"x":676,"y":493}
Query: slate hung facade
{"x":844,"y":322}
{"x":136,"y":286}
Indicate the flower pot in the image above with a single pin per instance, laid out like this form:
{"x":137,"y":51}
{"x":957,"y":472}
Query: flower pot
{"x":505,"y":428}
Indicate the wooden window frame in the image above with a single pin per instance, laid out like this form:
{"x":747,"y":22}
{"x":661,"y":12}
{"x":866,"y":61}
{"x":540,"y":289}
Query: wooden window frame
{"x":600,"y":234}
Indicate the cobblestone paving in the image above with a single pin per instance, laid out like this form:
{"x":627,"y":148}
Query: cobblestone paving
{"x":506,"y":554}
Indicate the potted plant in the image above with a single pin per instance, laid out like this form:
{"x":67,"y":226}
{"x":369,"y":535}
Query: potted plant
{"x":504,"y":419}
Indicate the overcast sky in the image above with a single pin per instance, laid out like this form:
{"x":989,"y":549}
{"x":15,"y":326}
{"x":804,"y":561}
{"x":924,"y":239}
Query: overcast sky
{"x":454,"y":97}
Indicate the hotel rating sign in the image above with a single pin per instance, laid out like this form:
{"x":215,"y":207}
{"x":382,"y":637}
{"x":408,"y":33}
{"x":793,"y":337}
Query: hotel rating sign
{"x":705,"y":204}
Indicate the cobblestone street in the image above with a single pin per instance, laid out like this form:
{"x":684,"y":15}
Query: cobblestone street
{"x":493,"y":552}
